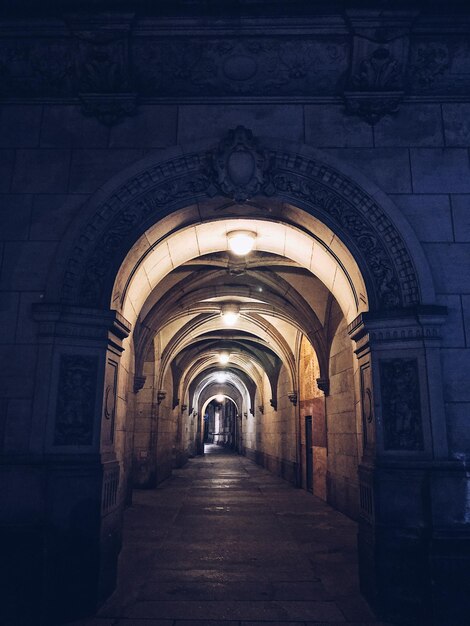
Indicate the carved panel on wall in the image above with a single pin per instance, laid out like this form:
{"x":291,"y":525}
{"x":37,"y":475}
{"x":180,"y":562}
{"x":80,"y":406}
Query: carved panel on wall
{"x":401,"y":405}
{"x":367,"y":408}
{"x":109,"y":404}
{"x":76,"y":400}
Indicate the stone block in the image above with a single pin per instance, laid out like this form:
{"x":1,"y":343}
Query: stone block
{"x":92,"y":168}
{"x":52,"y":213}
{"x":328,"y":126}
{"x":17,"y":368}
{"x":26,"y":327}
{"x":9,"y":304}
{"x":429,"y":216}
{"x":387,"y":167}
{"x":20,"y":125}
{"x":25,"y":265}
{"x":466,"y":317}
{"x":15,"y":213}
{"x":65,"y":126}
{"x":449,"y":265}
{"x":205,"y":120}
{"x":455,"y":367}
{"x":456,"y":116}
{"x":17,"y":430}
{"x":458,"y":429}
{"x":445,"y":170}
{"x":461,"y":215}
{"x":7,"y":162}
{"x":414,"y":125}
{"x":41,"y":171}
{"x":453,"y":334}
{"x":153,"y":126}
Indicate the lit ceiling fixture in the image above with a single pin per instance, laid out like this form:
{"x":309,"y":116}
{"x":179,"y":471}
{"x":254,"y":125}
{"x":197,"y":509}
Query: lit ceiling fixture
{"x":241,"y":242}
{"x":221,"y":377}
{"x":230,"y":313}
{"x":219,"y":398}
{"x":224,"y":358}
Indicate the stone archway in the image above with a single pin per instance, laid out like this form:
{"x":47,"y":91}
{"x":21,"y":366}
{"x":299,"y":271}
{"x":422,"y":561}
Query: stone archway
{"x":396,"y":336}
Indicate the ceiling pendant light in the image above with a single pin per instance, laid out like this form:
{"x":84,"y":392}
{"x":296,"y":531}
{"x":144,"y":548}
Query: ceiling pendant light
{"x":219,"y":398}
{"x":221,"y":377}
{"x":230,"y":313}
{"x":241,"y":242}
{"x":224,"y":358}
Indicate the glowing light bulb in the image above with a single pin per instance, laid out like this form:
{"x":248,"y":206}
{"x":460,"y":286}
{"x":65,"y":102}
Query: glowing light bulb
{"x":221,"y":377}
{"x":230,"y":314}
{"x":219,"y":398}
{"x":241,"y":242}
{"x":224,"y":358}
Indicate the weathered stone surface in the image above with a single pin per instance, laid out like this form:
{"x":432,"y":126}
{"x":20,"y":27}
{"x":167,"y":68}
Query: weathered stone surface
{"x":413,"y":125}
{"x":328,"y":126}
{"x":456,"y":116}
{"x":456,"y":365}
{"x":41,"y":171}
{"x":91,"y":168}
{"x":15,"y":213}
{"x":197,"y":121}
{"x":17,"y":365}
{"x":9,"y":302}
{"x":387,"y":167}
{"x":447,"y":261}
{"x":25,"y":265}
{"x":153,"y":126}
{"x":458,"y":428}
{"x":461,"y":216}
{"x":453,"y":333}
{"x":436,"y":170}
{"x":20,"y":125}
{"x":466,"y":317}
{"x":7,"y":162}
{"x":53,"y":213}
{"x":429,"y":215}
{"x":65,"y":126}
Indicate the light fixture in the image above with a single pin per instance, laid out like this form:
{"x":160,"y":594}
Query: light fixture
{"x":219,"y":398}
{"x":241,"y":242}
{"x":230,"y":313}
{"x":224,"y":358}
{"x":221,"y":377}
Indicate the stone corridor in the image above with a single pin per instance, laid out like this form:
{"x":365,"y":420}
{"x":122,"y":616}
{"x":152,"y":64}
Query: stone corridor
{"x":225,"y":541}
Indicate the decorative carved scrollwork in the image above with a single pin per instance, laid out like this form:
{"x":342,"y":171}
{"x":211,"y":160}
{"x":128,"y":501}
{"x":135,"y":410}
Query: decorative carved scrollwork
{"x":240,"y":169}
{"x":75,"y":412}
{"x":401,"y":404}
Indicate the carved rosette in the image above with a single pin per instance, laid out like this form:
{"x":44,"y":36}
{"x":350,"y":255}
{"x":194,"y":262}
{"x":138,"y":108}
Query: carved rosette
{"x":240,"y":169}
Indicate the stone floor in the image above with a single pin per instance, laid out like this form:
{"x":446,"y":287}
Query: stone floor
{"x":223,"y":541}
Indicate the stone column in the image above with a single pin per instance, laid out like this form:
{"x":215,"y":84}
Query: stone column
{"x":73,"y":443}
{"x":404,"y":458}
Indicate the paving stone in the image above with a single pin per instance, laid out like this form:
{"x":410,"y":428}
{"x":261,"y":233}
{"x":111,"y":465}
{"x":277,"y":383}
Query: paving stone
{"x":286,"y":556}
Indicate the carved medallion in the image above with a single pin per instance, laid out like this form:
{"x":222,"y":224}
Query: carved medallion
{"x":240,"y":167}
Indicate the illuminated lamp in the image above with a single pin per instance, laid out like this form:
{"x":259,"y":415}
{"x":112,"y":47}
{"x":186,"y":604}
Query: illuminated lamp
{"x":241,"y":242}
{"x":230,"y":313}
{"x":224,"y":358}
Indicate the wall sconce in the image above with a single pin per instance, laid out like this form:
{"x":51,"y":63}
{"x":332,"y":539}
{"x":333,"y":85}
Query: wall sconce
{"x":241,"y":242}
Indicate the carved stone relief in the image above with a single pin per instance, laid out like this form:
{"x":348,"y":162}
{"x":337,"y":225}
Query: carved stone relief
{"x":367,"y":408}
{"x":109,"y":405}
{"x":240,"y":168}
{"x":401,"y":405}
{"x":75,"y":411}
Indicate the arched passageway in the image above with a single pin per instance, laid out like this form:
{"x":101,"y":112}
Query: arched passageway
{"x":327,"y":367}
